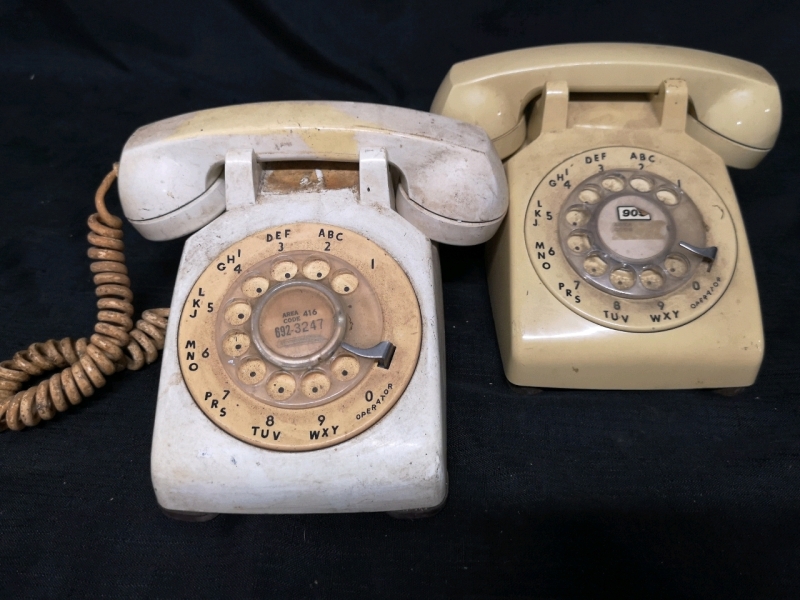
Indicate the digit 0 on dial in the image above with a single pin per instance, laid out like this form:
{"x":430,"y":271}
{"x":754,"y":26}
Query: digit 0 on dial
{"x":300,"y":345}
{"x":623,"y":236}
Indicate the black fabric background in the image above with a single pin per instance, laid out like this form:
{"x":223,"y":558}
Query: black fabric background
{"x":564,"y":494}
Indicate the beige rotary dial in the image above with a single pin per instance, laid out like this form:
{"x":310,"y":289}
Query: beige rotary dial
{"x":299,"y":338}
{"x":630,"y":239}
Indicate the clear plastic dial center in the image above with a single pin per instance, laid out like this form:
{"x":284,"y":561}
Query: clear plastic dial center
{"x":299,"y":324}
{"x":641,"y":237}
{"x":625,"y":232}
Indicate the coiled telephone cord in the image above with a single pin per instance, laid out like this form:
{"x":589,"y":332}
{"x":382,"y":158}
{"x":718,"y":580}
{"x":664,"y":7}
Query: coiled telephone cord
{"x":114,"y":346}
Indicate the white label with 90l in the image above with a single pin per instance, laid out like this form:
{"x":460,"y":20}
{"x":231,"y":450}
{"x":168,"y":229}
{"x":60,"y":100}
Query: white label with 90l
{"x":631,"y":213}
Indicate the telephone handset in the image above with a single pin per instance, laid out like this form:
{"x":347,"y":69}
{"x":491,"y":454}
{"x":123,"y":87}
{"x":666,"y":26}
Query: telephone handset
{"x":623,"y":263}
{"x":303,"y":361}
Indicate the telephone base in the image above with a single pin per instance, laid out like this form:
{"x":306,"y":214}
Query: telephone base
{"x":188,"y":515}
{"x":396,"y":464}
{"x":556,"y":329}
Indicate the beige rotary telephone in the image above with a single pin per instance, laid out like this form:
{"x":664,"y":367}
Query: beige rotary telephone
{"x":623,"y":263}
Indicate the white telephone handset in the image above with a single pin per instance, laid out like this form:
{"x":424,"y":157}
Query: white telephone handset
{"x":303,"y":367}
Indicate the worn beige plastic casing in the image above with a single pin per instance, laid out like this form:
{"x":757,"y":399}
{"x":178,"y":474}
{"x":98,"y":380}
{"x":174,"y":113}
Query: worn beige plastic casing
{"x":736,"y":104}
{"x":450,"y":182}
{"x":543,"y":343}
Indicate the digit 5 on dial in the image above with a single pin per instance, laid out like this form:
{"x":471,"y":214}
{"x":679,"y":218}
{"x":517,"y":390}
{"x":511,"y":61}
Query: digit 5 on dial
{"x":623,"y":263}
{"x":303,"y":365}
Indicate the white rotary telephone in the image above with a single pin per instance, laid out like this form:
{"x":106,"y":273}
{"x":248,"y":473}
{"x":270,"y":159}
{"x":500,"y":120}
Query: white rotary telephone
{"x":303,"y":366}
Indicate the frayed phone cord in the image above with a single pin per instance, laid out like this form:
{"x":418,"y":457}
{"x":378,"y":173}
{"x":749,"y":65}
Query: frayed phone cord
{"x":114,"y":346}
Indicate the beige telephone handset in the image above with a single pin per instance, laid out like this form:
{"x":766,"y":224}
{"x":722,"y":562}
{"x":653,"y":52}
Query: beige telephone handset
{"x":623,"y":262}
{"x":303,"y":365}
